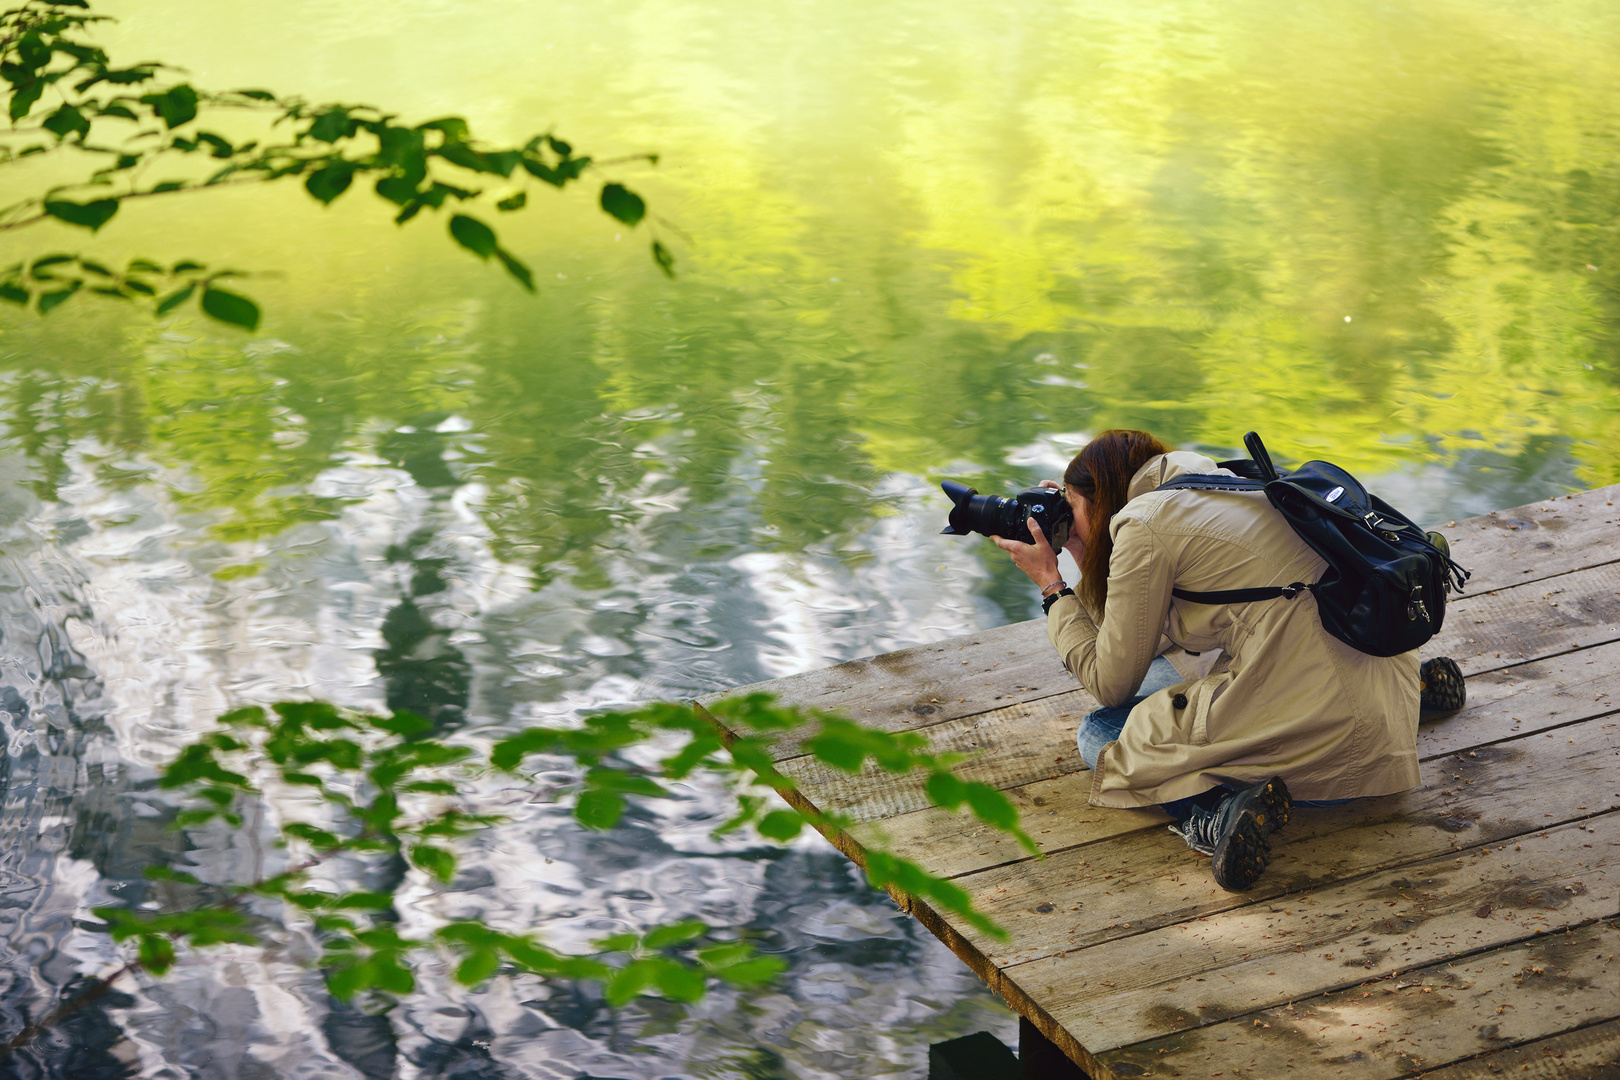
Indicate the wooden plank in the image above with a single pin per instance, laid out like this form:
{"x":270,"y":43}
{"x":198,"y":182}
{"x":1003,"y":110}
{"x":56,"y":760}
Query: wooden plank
{"x":1503,"y":704}
{"x":1589,"y":1053}
{"x":1528,"y":697}
{"x":1081,"y":897}
{"x":1527,"y":543}
{"x":1054,"y":812}
{"x":1030,"y":741}
{"x":1485,"y":631}
{"x":926,"y":684}
{"x":1195,"y":973}
{"x":1455,"y":1010}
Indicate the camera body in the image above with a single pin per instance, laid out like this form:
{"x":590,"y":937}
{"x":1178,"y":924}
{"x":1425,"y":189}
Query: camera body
{"x":995,"y":515}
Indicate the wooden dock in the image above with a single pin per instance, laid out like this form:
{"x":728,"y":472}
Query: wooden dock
{"x":1466,"y":928}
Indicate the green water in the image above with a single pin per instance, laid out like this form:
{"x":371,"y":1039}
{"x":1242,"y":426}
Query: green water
{"x":914,"y":240}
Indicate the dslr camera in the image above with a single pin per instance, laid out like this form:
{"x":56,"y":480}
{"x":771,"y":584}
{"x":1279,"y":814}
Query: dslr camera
{"x":995,"y":515}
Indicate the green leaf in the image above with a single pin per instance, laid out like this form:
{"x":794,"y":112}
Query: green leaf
{"x":991,"y":806}
{"x":454,"y":127}
{"x":65,"y":121}
{"x":403,"y":723}
{"x":14,"y":293}
{"x":247,"y":716}
{"x":626,"y":783}
{"x":515,"y":268}
{"x":228,"y":307}
{"x":49,"y":302}
{"x":156,"y":953}
{"x":837,"y":750}
{"x":665,"y":261}
{"x":436,"y":861}
{"x":597,"y":809}
{"x":345,"y":982}
{"x":430,"y":787}
{"x":513,"y":202}
{"x":473,"y":235}
{"x":662,"y":937}
{"x":631,"y":980}
{"x":176,"y":105}
{"x":622,"y":203}
{"x":330,"y":125}
{"x":678,"y":982}
{"x":311,"y":834}
{"x":479,"y":965}
{"x":24,"y":99}
{"x":175,"y":299}
{"x":330,"y":181}
{"x":117,"y":110}
{"x":366,"y":901}
{"x":397,"y":189}
{"x":391,"y":975}
{"x":782,"y":825}
{"x":91,"y":215}
{"x":509,"y":753}
{"x":945,"y":790}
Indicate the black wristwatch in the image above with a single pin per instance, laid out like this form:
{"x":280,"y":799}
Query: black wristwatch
{"x":1046,"y":604}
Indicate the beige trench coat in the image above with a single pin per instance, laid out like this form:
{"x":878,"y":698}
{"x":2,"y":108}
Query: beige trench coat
{"x":1283,"y":696}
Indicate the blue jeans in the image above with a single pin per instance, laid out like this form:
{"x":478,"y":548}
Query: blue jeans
{"x":1103,"y":726}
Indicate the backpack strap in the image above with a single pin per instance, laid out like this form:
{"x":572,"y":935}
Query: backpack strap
{"x":1243,"y":596}
{"x":1211,"y":482}
{"x":1208,"y":482}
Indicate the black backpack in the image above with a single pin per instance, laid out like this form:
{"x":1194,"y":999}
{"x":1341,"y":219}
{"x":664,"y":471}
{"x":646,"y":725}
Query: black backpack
{"x":1384,"y":591}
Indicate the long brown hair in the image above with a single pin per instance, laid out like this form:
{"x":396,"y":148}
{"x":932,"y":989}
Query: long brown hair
{"x":1102,"y":473}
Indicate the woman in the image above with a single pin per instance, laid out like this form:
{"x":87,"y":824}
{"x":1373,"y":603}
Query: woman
{"x":1245,"y":706}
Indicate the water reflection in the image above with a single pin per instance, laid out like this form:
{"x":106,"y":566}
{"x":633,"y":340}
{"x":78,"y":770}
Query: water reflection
{"x":926,"y":242}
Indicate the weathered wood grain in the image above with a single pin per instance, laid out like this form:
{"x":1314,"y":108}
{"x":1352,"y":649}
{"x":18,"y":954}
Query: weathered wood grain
{"x":1457,"y":1009}
{"x":1590,"y":1053}
{"x":1528,"y":697}
{"x":1490,"y":630}
{"x":1028,"y":741}
{"x":927,"y":684}
{"x":1527,"y":543}
{"x":1084,"y":896}
{"x":1054,"y":812}
{"x":1194,"y":973}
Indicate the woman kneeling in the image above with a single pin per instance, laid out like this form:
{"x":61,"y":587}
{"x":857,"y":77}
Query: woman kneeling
{"x":1222,"y":714}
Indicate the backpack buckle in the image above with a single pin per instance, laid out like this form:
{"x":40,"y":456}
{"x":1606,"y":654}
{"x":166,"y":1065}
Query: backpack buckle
{"x":1291,"y":591}
{"x":1415,"y":607}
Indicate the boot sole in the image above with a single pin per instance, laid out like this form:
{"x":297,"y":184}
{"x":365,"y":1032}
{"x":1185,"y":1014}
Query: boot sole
{"x":1273,"y":806}
{"x":1242,"y":853}
{"x":1440,"y":685}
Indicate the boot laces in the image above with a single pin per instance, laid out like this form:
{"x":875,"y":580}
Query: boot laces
{"x":1200,"y":829}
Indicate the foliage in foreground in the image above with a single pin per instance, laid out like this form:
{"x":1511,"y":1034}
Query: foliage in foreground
{"x":64,"y":97}
{"x":396,"y":804}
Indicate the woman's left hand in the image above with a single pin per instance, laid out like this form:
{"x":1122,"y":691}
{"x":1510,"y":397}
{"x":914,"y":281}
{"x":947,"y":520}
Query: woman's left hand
{"x":1037,"y":560}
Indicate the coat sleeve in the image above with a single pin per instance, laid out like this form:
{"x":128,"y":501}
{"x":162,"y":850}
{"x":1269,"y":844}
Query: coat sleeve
{"x":1111,"y":657}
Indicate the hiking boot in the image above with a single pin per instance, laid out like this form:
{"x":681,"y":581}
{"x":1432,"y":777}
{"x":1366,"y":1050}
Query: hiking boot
{"x":1235,"y":835}
{"x":1440,"y":685}
{"x":1273,"y":806}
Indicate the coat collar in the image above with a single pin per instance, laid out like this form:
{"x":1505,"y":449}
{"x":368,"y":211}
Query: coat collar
{"x":1165,"y":467}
